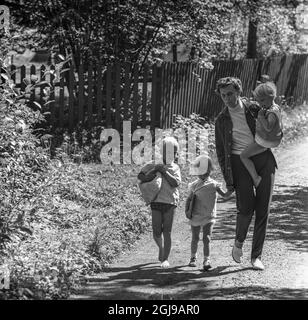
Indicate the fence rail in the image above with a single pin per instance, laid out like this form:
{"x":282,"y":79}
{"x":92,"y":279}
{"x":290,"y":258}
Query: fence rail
{"x":152,"y":95}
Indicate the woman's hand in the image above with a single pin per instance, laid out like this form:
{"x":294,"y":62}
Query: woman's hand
{"x":228,"y":193}
{"x":159,"y":167}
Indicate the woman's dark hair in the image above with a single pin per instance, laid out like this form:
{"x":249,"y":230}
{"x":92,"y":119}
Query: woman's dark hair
{"x":224,"y":82}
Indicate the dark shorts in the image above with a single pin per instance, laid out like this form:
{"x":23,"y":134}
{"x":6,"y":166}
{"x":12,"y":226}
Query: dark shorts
{"x":163,"y":207}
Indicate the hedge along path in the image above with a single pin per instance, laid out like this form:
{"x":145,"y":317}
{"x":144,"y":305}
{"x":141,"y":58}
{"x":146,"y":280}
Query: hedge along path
{"x":137,"y":274}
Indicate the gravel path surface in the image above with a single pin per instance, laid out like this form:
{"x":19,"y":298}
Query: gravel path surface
{"x":137,"y":274}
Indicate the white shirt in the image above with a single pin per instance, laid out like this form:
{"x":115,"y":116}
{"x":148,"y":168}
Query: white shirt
{"x":204,"y":210}
{"x":241,"y":134}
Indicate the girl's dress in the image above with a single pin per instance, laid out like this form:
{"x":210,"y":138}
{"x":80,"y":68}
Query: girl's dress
{"x":273,"y":138}
{"x":204,"y":210}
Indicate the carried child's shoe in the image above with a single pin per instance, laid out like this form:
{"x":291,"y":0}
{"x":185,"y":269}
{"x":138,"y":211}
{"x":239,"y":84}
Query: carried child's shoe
{"x":165,"y":264}
{"x":206,"y":265}
{"x":193,"y":262}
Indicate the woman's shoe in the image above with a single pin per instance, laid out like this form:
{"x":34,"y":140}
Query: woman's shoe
{"x":237,"y":254}
{"x":257,"y":264}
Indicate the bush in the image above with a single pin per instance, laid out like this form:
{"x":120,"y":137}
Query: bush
{"x":199,"y":129}
{"x":295,"y":123}
{"x":59,"y":219}
{"x":23,"y":163}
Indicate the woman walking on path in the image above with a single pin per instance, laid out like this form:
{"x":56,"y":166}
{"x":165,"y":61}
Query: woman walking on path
{"x":164,"y":205}
{"x":235,"y":129}
{"x":203,"y":216}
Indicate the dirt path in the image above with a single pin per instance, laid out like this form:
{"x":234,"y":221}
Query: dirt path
{"x":137,"y":275}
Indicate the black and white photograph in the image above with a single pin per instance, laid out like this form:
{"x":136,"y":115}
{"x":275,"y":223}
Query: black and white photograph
{"x":154,"y":153}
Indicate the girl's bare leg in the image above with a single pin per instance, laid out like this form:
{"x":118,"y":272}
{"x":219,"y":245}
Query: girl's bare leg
{"x":195,"y":232}
{"x":252,"y":150}
{"x":167,"y":227}
{"x":157,"y":228}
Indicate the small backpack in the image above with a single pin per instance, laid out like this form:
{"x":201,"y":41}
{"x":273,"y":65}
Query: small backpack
{"x":150,"y":189}
{"x":190,"y":202}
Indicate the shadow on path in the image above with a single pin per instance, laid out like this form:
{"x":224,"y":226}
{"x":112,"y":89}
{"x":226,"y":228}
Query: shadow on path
{"x":127,"y":282}
{"x":245,"y":293}
{"x":288,"y":219}
{"x":287,"y":223}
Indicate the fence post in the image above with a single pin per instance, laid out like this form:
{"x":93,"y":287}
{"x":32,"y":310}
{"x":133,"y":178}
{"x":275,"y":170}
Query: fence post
{"x":117,"y":116}
{"x":71,"y":99}
{"x":259,"y":71}
{"x":52,"y":97}
{"x":90,"y":95}
{"x":108,"y":95}
{"x":99,"y":93}
{"x":159,"y":97}
{"x":135,"y":96}
{"x":156,"y":97}
{"x":81,"y":88}
{"x":153,"y":96}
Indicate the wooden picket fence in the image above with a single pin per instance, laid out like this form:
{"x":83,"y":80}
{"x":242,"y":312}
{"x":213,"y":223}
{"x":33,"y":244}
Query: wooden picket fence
{"x":150,"y":96}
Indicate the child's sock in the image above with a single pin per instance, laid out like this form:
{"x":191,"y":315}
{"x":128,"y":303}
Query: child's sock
{"x":161,"y":254}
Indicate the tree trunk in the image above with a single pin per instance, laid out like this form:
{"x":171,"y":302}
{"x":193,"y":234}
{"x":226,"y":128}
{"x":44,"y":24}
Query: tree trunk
{"x":192,"y":53}
{"x":252,"y":40}
{"x":174,"y":53}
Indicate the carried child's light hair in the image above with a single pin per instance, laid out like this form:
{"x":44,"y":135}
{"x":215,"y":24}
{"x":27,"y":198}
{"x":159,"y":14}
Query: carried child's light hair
{"x":267,"y":89}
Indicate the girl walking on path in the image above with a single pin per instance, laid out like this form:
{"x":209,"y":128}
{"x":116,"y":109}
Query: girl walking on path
{"x":164,"y":205}
{"x":268,"y":128}
{"x":204,"y":189}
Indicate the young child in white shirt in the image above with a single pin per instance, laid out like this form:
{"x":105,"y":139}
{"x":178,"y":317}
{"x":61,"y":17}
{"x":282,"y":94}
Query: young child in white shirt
{"x":204,"y":210}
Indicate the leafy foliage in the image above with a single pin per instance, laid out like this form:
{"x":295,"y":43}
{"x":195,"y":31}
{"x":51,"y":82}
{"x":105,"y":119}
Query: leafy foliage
{"x":196,"y":129}
{"x":131,"y":30}
{"x":295,"y":123}
{"x":276,"y":30}
{"x":22,"y":163}
{"x":139,"y":31}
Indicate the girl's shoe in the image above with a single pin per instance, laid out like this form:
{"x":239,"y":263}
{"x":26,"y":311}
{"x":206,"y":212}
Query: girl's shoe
{"x":193,"y":262}
{"x":206,"y":265}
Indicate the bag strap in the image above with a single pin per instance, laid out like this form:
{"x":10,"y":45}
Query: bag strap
{"x":194,"y":191}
